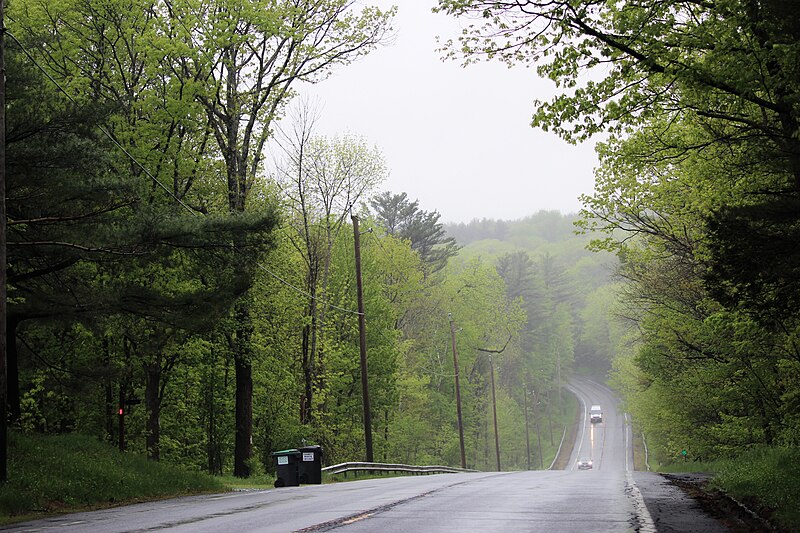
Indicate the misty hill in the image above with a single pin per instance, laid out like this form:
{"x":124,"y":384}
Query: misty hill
{"x":528,"y":233}
{"x":546,"y":233}
{"x":577,"y":277}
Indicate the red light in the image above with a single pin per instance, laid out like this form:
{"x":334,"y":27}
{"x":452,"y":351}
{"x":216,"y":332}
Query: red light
{"x":121,"y":412}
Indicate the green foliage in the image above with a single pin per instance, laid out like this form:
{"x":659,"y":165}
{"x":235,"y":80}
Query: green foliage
{"x":56,"y":473}
{"x":403,"y":219}
{"x":167,"y":288}
{"x":765,"y":478}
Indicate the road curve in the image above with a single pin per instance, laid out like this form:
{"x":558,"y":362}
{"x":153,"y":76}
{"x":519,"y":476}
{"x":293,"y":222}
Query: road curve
{"x":606,"y":498}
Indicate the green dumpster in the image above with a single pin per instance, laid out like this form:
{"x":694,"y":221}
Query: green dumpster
{"x":286,"y":471}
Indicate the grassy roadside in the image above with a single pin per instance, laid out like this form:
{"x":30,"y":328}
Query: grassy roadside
{"x":55,"y":474}
{"x":766,"y":480}
{"x":640,"y":459}
{"x":570,"y":419}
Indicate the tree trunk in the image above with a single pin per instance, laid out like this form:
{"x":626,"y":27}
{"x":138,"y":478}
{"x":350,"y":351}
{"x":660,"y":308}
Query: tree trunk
{"x":109,"y":391}
{"x":12,"y":370}
{"x":308,"y":364}
{"x":243,"y":447}
{"x":151,"y":397}
{"x":123,"y":393}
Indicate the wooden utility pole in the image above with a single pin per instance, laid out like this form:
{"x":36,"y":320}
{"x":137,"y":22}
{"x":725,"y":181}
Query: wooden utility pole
{"x":538,"y":433}
{"x":3,"y":260}
{"x":558,"y":371}
{"x":494,"y":412}
{"x":362,"y":341}
{"x":494,"y":398}
{"x":458,"y":392}
{"x":527,"y":431}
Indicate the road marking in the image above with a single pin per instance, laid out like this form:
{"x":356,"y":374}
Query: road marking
{"x":357,"y":518}
{"x":574,"y":465}
{"x":627,"y":443}
{"x":646,"y":524}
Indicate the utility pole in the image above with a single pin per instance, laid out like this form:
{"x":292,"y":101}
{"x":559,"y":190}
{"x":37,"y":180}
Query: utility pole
{"x":527,"y":432}
{"x":3,"y":258}
{"x":362,"y":342}
{"x":458,"y":392}
{"x":558,"y":371}
{"x":538,"y":433}
{"x":494,"y":411}
{"x":494,"y":398}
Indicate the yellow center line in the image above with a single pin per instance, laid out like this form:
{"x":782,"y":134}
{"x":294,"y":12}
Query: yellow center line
{"x":356,"y":518}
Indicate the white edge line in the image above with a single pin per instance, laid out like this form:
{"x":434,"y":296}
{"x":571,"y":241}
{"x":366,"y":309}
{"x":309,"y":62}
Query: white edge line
{"x":583,"y":431}
{"x":646,"y":524}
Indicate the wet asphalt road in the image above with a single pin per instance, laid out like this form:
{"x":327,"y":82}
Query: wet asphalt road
{"x":610,"y":497}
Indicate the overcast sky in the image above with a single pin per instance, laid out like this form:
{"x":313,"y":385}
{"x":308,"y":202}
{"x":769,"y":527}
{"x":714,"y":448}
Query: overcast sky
{"x":457,"y":139}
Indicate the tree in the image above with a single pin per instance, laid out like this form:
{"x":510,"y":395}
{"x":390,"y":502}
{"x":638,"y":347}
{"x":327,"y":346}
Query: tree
{"x":322,"y":179}
{"x":666,"y":58}
{"x":697,"y":333}
{"x":701,"y":176}
{"x":250,"y":56}
{"x":405,"y":220}
{"x":110,"y":230}
{"x":724,"y":67}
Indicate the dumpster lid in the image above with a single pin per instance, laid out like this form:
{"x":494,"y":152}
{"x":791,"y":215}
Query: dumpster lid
{"x":291,"y":451}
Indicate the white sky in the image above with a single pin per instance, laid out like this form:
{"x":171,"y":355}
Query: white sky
{"x":457,"y":139}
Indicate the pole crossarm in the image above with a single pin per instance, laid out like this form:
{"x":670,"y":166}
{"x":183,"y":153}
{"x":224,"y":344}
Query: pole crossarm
{"x":501,"y":350}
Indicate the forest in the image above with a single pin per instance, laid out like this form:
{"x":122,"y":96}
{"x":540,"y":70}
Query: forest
{"x":173,"y":293}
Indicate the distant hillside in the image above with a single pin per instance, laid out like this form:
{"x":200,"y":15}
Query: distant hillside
{"x":576,"y":276}
{"x":528,"y":233}
{"x":547,"y":233}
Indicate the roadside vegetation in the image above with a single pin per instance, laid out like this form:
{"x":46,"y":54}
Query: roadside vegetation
{"x":193,"y":300}
{"x":189,"y":301}
{"x":205,"y":322}
{"x":60,"y":473}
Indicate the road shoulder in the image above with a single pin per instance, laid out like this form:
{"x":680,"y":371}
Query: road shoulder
{"x":684,"y":503}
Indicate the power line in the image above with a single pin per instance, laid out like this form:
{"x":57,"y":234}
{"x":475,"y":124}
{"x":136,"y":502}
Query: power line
{"x":161,"y":185}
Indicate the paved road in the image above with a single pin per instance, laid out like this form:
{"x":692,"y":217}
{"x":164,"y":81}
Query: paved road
{"x":659,"y":505}
{"x":606,"y":498}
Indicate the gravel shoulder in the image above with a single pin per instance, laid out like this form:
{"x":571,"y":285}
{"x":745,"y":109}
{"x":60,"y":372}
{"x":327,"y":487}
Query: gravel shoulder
{"x":687,"y":503}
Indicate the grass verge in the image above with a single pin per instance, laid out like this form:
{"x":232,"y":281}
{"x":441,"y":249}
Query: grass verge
{"x":768,"y":481}
{"x":570,"y":419}
{"x":53,"y":474}
{"x":254,"y":482}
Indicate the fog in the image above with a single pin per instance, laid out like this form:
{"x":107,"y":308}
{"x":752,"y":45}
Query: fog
{"x":458,"y":139}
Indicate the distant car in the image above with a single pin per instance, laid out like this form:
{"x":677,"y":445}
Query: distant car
{"x":584,"y":464}
{"x":595,"y":414}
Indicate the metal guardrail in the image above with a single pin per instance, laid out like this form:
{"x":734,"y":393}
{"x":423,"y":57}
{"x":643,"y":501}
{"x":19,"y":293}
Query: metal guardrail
{"x":344,"y":468}
{"x":560,"y":444}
